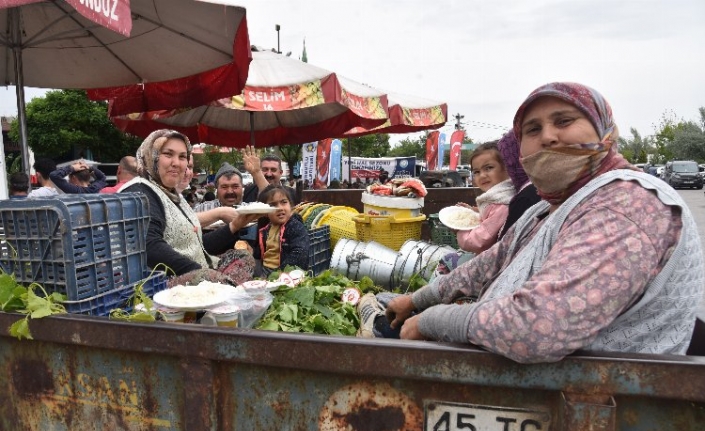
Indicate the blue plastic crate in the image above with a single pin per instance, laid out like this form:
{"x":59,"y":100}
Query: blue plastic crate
{"x":319,"y":249}
{"x":100,"y":305}
{"x":77,"y":245}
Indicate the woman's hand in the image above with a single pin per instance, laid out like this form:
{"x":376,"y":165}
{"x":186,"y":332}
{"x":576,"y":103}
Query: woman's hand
{"x":399,"y":309}
{"x":241,"y":220}
{"x":250,"y":159}
{"x":227,"y":214}
{"x":410,"y":329}
{"x":463,"y":205}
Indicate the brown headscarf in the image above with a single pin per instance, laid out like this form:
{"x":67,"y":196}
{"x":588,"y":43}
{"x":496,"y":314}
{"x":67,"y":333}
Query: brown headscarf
{"x":148,"y":158}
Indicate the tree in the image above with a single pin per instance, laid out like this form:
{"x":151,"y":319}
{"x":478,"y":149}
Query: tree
{"x":680,"y":139}
{"x":213,"y":158}
{"x":66,"y":123}
{"x":636,"y":149}
{"x":410,"y":147}
{"x":291,"y":154}
{"x":367,"y":146}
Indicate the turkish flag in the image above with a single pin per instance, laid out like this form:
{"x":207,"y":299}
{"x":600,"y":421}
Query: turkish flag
{"x":432,"y":150}
{"x":323,"y":161}
{"x":456,"y":144}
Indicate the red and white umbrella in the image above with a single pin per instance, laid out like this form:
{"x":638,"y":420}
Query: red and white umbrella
{"x":178,"y":53}
{"x":285,"y":101}
{"x":407,"y":114}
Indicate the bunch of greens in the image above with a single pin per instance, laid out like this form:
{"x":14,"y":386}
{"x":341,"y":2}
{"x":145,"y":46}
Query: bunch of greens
{"x":315,"y":306}
{"x":16,"y":298}
{"x":146,"y":314}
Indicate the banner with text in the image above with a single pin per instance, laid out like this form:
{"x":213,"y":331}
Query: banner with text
{"x":432,"y":151}
{"x":308,"y":164}
{"x":456,"y":144}
{"x":363,"y":167}
{"x":336,"y":153}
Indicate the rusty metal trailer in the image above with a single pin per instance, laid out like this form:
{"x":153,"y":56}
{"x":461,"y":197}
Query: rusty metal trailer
{"x":84,"y":373}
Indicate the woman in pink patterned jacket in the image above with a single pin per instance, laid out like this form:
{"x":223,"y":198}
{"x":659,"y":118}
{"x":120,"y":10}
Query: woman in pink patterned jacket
{"x":609,"y":261}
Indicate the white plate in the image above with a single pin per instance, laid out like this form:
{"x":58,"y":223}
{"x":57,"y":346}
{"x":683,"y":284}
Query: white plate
{"x":261,"y":210}
{"x":180,"y":298}
{"x":445,"y":217}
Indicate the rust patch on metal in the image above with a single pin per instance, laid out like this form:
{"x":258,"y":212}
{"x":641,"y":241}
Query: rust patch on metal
{"x":370,"y":407}
{"x":32,"y":378}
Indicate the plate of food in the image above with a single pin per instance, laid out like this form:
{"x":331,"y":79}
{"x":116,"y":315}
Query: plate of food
{"x":193,"y":298}
{"x":459,"y":218}
{"x":255,"y":208}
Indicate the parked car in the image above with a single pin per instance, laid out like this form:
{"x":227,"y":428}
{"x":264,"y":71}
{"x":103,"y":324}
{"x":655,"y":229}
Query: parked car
{"x":445,"y":178}
{"x":683,"y":173}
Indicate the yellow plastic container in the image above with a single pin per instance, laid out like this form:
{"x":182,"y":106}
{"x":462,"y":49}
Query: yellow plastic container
{"x":340,"y":220}
{"x":389,"y":231}
{"x":399,"y":207}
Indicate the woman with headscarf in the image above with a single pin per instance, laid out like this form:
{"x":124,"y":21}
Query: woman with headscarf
{"x":174,"y":236}
{"x":609,"y":261}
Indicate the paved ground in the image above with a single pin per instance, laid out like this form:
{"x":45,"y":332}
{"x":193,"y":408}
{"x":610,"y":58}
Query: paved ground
{"x":696,"y":202}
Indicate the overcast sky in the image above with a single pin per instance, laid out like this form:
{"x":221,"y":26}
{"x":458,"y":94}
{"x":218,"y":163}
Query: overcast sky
{"x":484,"y":57}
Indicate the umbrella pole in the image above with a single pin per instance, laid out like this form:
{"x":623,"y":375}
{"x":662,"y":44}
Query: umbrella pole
{"x":252,"y":129}
{"x":349,"y":164}
{"x":19,"y":87}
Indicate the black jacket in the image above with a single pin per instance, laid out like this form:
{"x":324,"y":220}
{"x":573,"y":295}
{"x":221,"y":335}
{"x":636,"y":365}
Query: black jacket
{"x":294,"y":243}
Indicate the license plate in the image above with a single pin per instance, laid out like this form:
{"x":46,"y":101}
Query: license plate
{"x":445,"y":416}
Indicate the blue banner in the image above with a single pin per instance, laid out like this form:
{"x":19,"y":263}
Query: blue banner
{"x":441,"y":148}
{"x":336,"y":154}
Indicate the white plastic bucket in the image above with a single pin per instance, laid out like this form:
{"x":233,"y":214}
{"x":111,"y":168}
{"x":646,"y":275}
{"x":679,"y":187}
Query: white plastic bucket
{"x":356,"y":259}
{"x":417,"y":257}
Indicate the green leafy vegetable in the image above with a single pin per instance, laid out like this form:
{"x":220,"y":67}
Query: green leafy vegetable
{"x":16,"y":298}
{"x":315,"y":306}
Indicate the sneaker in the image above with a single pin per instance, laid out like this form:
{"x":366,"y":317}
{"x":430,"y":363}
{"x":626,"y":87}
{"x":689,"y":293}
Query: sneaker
{"x":369,"y":309}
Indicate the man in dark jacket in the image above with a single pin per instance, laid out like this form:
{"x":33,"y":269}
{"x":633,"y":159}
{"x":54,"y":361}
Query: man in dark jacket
{"x":271,"y":167}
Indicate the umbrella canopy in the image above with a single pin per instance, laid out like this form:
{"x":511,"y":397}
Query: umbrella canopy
{"x":285,"y":101}
{"x":407,"y":114}
{"x":51,"y":45}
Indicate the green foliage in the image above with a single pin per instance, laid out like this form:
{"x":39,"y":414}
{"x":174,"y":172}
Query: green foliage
{"x":66,"y":122}
{"x":367,"y":146}
{"x":212,"y":158}
{"x":635,"y":150}
{"x":16,"y":298}
{"x":315,"y":306}
{"x":410,"y":147}
{"x":290,"y":154}
{"x":680,"y":139}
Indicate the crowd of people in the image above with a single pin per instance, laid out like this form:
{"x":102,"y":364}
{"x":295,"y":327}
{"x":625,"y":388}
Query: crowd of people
{"x":576,"y":248}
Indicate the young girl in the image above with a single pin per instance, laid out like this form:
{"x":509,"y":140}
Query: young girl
{"x":489,"y":175}
{"x":283,"y":240}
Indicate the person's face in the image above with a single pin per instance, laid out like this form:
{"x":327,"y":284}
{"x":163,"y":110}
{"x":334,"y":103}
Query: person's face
{"x":487,"y":170}
{"x":229,"y":190}
{"x":550,"y":122}
{"x":172,"y":162}
{"x":271,"y":171}
{"x":188,"y":175}
{"x":281,"y":202}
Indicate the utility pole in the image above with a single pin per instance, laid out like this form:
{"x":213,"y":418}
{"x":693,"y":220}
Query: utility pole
{"x":277,"y":27}
{"x":458,"y":117}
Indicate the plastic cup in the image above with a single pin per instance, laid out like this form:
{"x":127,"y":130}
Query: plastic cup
{"x":173,"y":316}
{"x":226,"y":315}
